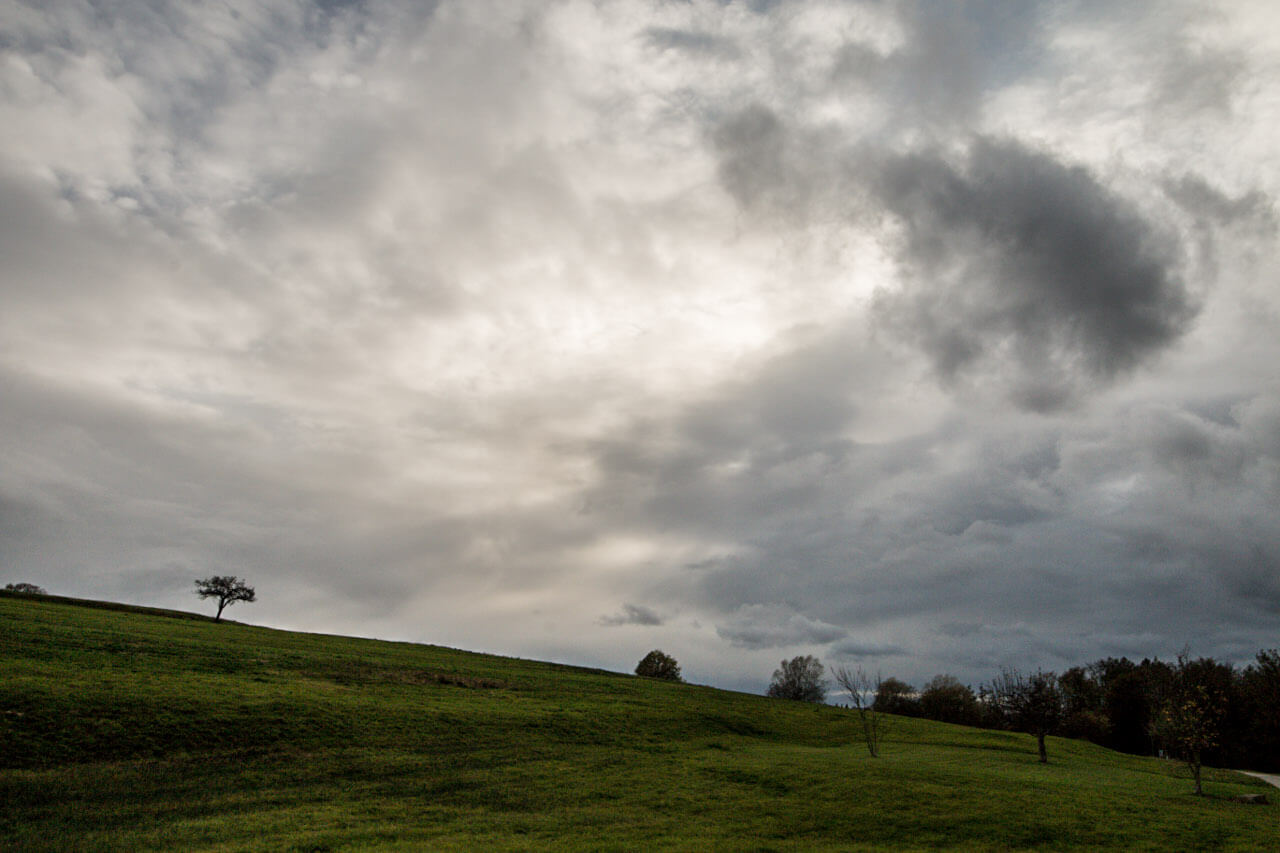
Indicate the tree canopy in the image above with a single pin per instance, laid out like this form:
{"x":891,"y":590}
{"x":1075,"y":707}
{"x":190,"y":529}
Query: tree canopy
{"x":228,"y":589}
{"x":799,"y":678}
{"x":659,"y":664}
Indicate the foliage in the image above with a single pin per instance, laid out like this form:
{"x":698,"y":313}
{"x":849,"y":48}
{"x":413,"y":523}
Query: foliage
{"x":1260,"y":697}
{"x":862,"y":690}
{"x":228,"y":589}
{"x":128,"y":730}
{"x":1191,"y":715}
{"x":1029,"y":703}
{"x":658,"y":664}
{"x":945,"y":699}
{"x":800,"y":679}
{"x":897,"y":697}
{"x":25,"y":588}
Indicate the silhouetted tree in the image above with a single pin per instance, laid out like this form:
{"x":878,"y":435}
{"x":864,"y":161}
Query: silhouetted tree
{"x":944,"y":698}
{"x":1082,"y":706}
{"x":658,"y":664}
{"x":1128,"y":702}
{"x":25,"y":588}
{"x":227,"y":589}
{"x":1260,"y":696}
{"x":799,"y":678}
{"x":897,"y":697}
{"x":862,"y":689}
{"x":1029,"y":703}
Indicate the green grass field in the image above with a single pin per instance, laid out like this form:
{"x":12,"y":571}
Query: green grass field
{"x":130,"y":730}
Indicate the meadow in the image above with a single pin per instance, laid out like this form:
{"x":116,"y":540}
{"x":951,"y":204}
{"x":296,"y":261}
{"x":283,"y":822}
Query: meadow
{"x":124,"y":728}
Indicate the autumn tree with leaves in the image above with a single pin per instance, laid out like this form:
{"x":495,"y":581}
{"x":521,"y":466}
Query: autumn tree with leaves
{"x":1190,"y":717}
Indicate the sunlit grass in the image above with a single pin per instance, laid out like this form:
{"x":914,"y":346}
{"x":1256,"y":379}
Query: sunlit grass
{"x":137,"y":731}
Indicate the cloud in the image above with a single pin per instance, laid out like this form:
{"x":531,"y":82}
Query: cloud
{"x":866,"y":649}
{"x":1016,"y":258}
{"x":696,"y":42}
{"x":771,"y":626}
{"x":632,"y":614}
{"x":817,"y":324}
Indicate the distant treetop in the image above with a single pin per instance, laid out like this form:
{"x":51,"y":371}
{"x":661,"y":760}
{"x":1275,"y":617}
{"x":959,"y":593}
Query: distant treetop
{"x":658,"y":664}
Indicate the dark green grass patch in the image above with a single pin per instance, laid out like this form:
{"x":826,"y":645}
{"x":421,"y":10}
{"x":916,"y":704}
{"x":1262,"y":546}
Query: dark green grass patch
{"x":129,"y":730}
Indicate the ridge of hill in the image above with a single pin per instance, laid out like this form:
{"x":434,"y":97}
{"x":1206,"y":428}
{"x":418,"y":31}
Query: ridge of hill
{"x":127,"y":728}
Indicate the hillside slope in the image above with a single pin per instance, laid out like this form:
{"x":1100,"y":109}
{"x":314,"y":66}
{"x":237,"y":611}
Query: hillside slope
{"x":136,"y":730}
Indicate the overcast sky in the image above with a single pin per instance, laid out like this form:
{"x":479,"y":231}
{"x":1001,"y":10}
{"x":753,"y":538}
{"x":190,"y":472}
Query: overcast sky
{"x":927,"y":337}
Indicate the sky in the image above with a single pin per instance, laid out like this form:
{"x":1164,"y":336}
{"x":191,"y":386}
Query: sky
{"x":922,"y":337}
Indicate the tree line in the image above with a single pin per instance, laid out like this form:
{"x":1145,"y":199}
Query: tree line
{"x":1139,"y":708}
{"x":1199,"y":710}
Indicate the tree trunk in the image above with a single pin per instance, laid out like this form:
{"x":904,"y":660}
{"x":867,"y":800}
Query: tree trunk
{"x":1044,"y":756}
{"x":221,"y":604}
{"x":1195,"y":771}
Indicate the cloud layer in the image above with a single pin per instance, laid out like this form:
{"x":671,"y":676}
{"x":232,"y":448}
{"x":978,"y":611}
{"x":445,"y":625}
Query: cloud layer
{"x":932,"y":339}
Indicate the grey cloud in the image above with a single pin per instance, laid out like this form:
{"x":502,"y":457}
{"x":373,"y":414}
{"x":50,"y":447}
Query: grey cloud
{"x":632,"y":614}
{"x":1018,"y":270}
{"x":864,"y":649}
{"x":753,"y":153}
{"x":1199,"y":197}
{"x":1020,"y":546}
{"x":1014,"y":256}
{"x":761,"y":626}
{"x":1197,"y":79}
{"x":692,"y":41}
{"x":952,"y":56}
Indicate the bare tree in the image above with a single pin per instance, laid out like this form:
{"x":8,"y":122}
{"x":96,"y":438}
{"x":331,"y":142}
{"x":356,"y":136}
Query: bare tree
{"x":1030,"y":703}
{"x":863,"y":690}
{"x":799,"y":678}
{"x":228,"y":589}
{"x":658,"y":664}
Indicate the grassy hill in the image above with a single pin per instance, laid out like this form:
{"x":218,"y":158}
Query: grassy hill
{"x":131,"y":729}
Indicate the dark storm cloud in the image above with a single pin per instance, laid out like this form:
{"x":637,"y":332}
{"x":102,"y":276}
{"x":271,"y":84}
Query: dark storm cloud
{"x":632,"y":614}
{"x":1017,"y":257}
{"x":1014,"y":263}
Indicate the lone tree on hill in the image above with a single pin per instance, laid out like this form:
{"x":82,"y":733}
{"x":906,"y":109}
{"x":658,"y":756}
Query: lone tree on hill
{"x":1030,"y":703}
{"x":658,"y":664}
{"x":227,"y":589}
{"x":799,"y":678}
{"x":863,"y":689}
